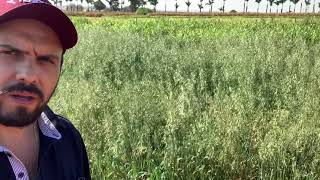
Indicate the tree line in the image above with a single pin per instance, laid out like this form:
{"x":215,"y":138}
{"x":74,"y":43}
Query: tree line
{"x":294,"y":6}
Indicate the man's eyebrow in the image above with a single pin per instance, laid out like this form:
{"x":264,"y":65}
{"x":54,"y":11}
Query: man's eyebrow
{"x":52,"y":56}
{"x":11,"y":48}
{"x":24,"y":52}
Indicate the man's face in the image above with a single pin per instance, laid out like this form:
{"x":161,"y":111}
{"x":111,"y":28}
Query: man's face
{"x":30,"y":59}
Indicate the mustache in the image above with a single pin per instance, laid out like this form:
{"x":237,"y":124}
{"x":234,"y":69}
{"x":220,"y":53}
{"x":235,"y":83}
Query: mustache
{"x":22,"y":87}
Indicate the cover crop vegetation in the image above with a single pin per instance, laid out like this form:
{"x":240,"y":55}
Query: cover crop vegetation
{"x":196,"y":98}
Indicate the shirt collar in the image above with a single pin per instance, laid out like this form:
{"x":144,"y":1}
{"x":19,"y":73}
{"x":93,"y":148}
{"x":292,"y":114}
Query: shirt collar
{"x":3,"y":149}
{"x":47,"y":128}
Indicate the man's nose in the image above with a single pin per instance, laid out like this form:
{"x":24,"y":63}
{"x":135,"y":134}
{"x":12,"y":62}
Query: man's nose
{"x":26,"y":70}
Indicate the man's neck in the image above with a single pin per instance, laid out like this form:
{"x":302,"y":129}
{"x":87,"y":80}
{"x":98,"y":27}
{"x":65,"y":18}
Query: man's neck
{"x":23,"y":143}
{"x":12,"y":137}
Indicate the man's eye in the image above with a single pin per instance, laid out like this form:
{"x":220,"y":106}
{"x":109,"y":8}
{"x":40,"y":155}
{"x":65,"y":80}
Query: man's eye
{"x":46,"y":59}
{"x":9,"y":52}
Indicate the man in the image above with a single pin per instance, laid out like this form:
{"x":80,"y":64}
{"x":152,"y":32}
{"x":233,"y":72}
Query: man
{"x":35,"y":143}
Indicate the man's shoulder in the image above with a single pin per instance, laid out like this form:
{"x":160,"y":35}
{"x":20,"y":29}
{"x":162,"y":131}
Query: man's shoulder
{"x":70,"y":146}
{"x":61,"y":123}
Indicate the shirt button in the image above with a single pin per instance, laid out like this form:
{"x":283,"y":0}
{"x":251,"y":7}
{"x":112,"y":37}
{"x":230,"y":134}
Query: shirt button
{"x":20,"y":175}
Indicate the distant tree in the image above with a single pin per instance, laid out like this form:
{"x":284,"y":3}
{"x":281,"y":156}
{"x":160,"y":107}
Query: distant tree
{"x":210,"y":3}
{"x":314,"y":6}
{"x":165,"y":6}
{"x":121,"y":5}
{"x":153,"y":3}
{"x":142,"y":3}
{"x":295,"y":2}
{"x":176,"y":6}
{"x":55,"y":2}
{"x":114,"y":4}
{"x":271,"y":4}
{"x":307,"y":2}
{"x":258,"y":1}
{"x":200,"y":5}
{"x":245,"y":5}
{"x":135,"y":4}
{"x":79,"y":6}
{"x":90,"y":2}
{"x":319,"y":7}
{"x":67,"y":5}
{"x":290,"y":7}
{"x":188,"y":3}
{"x":282,"y":4}
{"x":277,"y":4}
{"x":224,"y":5}
{"x":71,"y":7}
{"x":301,"y":7}
{"x":66,"y":1}
{"x":98,"y":5}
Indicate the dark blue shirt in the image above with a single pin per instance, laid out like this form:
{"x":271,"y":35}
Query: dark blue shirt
{"x":63,"y":158}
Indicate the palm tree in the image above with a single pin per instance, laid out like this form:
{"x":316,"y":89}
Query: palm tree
{"x":121,"y":4}
{"x":135,"y":4}
{"x":188,"y":3}
{"x":210,"y":3}
{"x":307,"y":2}
{"x":67,"y":6}
{"x":114,"y":4}
{"x":90,"y":2}
{"x":224,"y":5}
{"x":77,"y":5}
{"x":176,"y":6}
{"x":245,"y":5}
{"x":277,"y":3}
{"x":55,"y":2}
{"x":281,"y":2}
{"x":271,"y":3}
{"x":153,"y":3}
{"x":200,"y":5}
{"x":258,"y":1}
{"x":142,"y":2}
{"x":295,"y":2}
{"x":290,"y":7}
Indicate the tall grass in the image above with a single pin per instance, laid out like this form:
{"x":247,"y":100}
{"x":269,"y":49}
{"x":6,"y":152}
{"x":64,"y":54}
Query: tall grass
{"x":188,"y":98}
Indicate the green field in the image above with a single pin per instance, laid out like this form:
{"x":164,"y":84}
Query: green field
{"x":196,"y":98}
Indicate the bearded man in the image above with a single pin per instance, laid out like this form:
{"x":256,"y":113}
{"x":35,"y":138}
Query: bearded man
{"x":35,"y":143}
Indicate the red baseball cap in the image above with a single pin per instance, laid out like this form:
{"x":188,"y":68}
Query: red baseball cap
{"x":43,"y":11}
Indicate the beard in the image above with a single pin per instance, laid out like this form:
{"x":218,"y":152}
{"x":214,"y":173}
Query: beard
{"x":20,"y":117}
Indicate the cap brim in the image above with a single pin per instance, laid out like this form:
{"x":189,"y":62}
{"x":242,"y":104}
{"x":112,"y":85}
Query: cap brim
{"x":49,"y":15}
